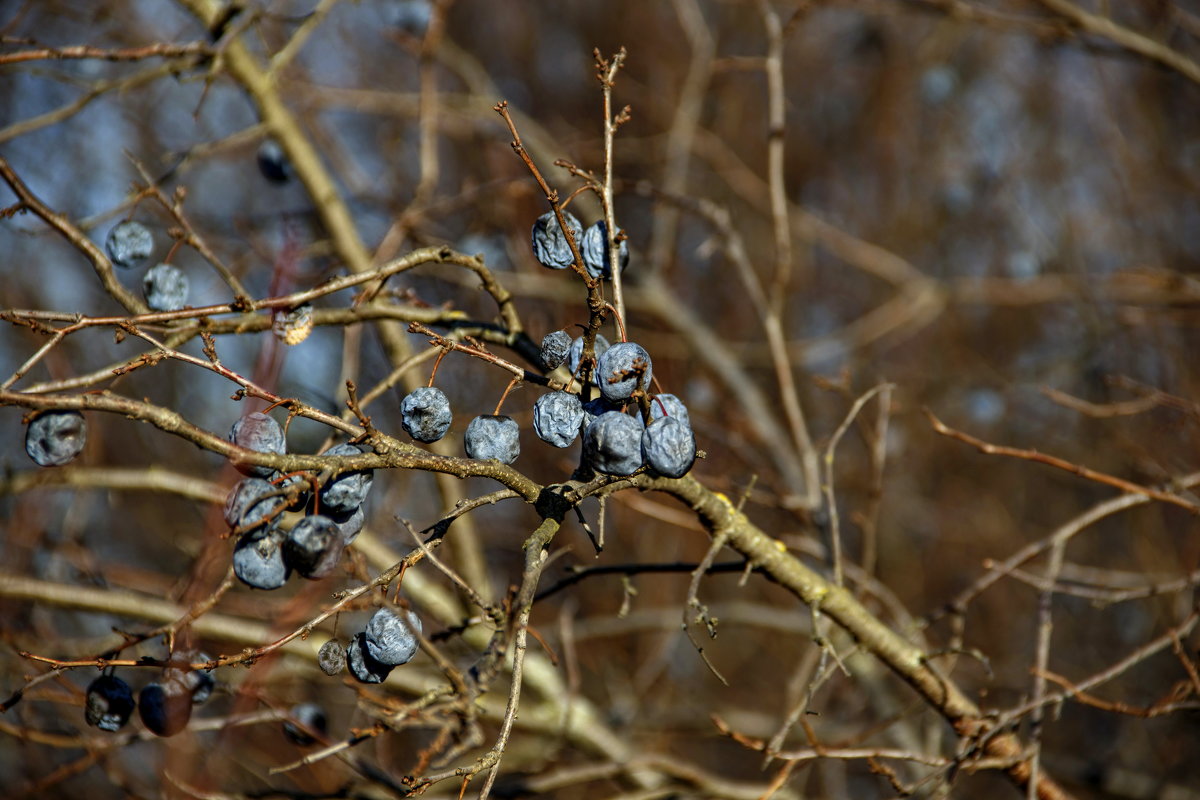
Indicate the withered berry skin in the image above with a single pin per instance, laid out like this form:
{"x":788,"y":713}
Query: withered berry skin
{"x":595,"y":251}
{"x":669,"y":446}
{"x":313,"y":546}
{"x":555,"y":348}
{"x":252,"y":503}
{"x":673,"y":405}
{"x":331,"y":658}
{"x":612,"y":444}
{"x":623,"y":369}
{"x":425,"y":414}
{"x":258,"y":560}
{"x":576,"y":354}
{"x":55,"y":438}
{"x":391,"y":639}
{"x":550,"y":245}
{"x":493,"y":436}
{"x":557,"y":417}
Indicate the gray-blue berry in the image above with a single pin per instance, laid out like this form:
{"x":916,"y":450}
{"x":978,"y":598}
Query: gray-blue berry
{"x":331,"y":658}
{"x":668,"y":405}
{"x":166,"y":287}
{"x":576,"y":354}
{"x":425,"y":414}
{"x":550,"y":246}
{"x":349,"y":525}
{"x":313,"y":546}
{"x":555,"y":347}
{"x":493,"y":436}
{"x":595,"y":251}
{"x":129,"y":244}
{"x":251,"y":503}
{"x":257,"y":431}
{"x":258,"y":560}
{"x":55,"y":438}
{"x":557,"y":417}
{"x":391,"y":638}
{"x":363,"y":666}
{"x":612,"y":444}
{"x":108,"y":704}
{"x":348,"y":490}
{"x":623,"y":369}
{"x":669,"y":446}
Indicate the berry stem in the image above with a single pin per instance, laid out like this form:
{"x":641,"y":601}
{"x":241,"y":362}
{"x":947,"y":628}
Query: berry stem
{"x":507,"y":389}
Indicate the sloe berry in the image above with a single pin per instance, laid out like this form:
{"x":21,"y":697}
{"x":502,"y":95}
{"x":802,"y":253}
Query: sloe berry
{"x":595,"y":251}
{"x":257,"y":431}
{"x":129,"y":244}
{"x":669,"y":446}
{"x":425,"y":414}
{"x":251,"y":503}
{"x":273,"y":163}
{"x":550,"y":246}
{"x":390,"y":639}
{"x":331,"y":658}
{"x":258,"y":560}
{"x":576,"y":354}
{"x":624,"y":368}
{"x":166,"y":287}
{"x":313,"y":546}
{"x":612,"y":444}
{"x":108,"y":704}
{"x":557,"y":417}
{"x":493,"y":436}
{"x":555,"y":347}
{"x":348,"y":490}
{"x":673,"y":405}
{"x":165,"y":708}
{"x":55,"y":438}
{"x":362,"y":664}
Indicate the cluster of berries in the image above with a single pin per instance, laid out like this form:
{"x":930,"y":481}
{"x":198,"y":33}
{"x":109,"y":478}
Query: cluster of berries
{"x":165,"y":285}
{"x":164,"y":706}
{"x":389,"y":640}
{"x":265,"y":554}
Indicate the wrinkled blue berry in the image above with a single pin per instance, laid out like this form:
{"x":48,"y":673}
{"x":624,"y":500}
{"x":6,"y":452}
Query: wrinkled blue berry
{"x":557,"y":417}
{"x":258,"y":560}
{"x":251,"y":503}
{"x":166,"y":287}
{"x":550,"y":246}
{"x":306,"y":719}
{"x":362,"y":664}
{"x":313,"y":546}
{"x":198,"y":684}
{"x":349,"y":525}
{"x":55,"y":438}
{"x":257,"y":431}
{"x":425,"y":414}
{"x":129,"y":244}
{"x":346,"y":492}
{"x":576,"y":354}
{"x":555,"y":347}
{"x":413,"y":16}
{"x":391,"y":639}
{"x":165,"y":708}
{"x":624,"y":368}
{"x":669,"y":446}
{"x":673,"y":406}
{"x":491,"y":436}
{"x":595,"y":251}
{"x":273,"y":163}
{"x":612,"y":444}
{"x":108,"y":704}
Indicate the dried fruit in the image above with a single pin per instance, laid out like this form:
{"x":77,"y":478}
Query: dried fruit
{"x":55,"y":438}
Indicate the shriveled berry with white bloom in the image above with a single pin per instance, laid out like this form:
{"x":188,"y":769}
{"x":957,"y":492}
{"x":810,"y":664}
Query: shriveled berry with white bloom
{"x":550,"y":245}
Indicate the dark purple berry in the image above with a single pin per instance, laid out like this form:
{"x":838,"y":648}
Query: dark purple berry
{"x":313,"y":546}
{"x":555,"y":347}
{"x":252,"y":503}
{"x":669,"y":446}
{"x":258,"y":560}
{"x":595,"y":251}
{"x":129,"y":244}
{"x":109,"y":703}
{"x":257,"y":431}
{"x":392,"y":639}
{"x":272,"y":162}
{"x":165,"y":708}
{"x":348,"y":490}
{"x":362,"y":664}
